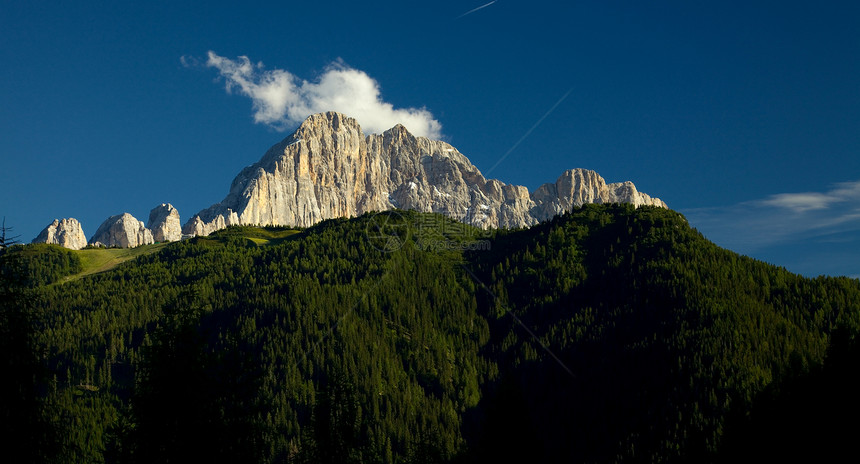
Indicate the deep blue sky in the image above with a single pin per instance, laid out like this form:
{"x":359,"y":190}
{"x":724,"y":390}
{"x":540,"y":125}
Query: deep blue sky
{"x":744,"y":116}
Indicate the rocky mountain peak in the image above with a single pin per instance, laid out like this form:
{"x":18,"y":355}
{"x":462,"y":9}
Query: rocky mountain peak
{"x":398,"y":132}
{"x":322,"y":126}
{"x":328,"y":168}
{"x":64,"y":232}
{"x":164,"y":223}
{"x":122,"y":230}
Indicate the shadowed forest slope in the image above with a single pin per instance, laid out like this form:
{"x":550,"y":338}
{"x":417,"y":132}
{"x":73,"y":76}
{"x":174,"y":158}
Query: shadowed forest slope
{"x":607,"y":334}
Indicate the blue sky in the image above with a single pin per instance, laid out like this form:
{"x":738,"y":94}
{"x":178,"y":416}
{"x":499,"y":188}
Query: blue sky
{"x":744,"y":116}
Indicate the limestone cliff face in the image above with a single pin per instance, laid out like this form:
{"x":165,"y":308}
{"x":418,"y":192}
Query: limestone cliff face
{"x":328,"y":168}
{"x":63,"y":232}
{"x":122,"y":230}
{"x":164,"y":223}
{"x":577,"y":187}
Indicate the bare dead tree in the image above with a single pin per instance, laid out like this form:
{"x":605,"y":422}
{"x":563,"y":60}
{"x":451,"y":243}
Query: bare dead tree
{"x":4,"y":240}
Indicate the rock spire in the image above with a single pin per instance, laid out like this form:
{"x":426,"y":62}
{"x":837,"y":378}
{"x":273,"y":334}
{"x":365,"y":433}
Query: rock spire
{"x":64,"y":232}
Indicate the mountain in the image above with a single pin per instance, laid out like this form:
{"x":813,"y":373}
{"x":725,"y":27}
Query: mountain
{"x":328,"y":168}
{"x":164,"y":223}
{"x":608,"y":333}
{"x":122,"y":230}
{"x":67,"y":233}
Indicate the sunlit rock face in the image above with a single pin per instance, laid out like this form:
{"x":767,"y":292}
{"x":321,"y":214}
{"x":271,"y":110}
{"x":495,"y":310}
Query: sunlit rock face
{"x":328,"y":168}
{"x":122,"y":230}
{"x":577,"y":187}
{"x":63,"y":232}
{"x":164,"y":223}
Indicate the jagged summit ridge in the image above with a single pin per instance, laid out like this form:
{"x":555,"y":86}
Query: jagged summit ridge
{"x":328,"y":168}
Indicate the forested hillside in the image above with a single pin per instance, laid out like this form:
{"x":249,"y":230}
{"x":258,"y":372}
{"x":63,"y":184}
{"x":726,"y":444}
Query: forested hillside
{"x":607,"y":334}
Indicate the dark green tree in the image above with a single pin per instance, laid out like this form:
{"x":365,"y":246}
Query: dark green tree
{"x":7,"y":241}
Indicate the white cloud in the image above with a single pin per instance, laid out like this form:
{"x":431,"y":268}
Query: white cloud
{"x":282,"y":100}
{"x":811,"y":233}
{"x":781,"y":218}
{"x":847,"y":190}
{"x":189,"y":61}
{"x":802,"y":202}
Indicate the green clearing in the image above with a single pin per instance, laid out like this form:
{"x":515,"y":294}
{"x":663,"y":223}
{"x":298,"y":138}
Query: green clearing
{"x":98,"y":260}
{"x":95,"y":260}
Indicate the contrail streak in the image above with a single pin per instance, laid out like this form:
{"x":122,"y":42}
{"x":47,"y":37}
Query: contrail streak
{"x":528,"y":132}
{"x":476,"y":9}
